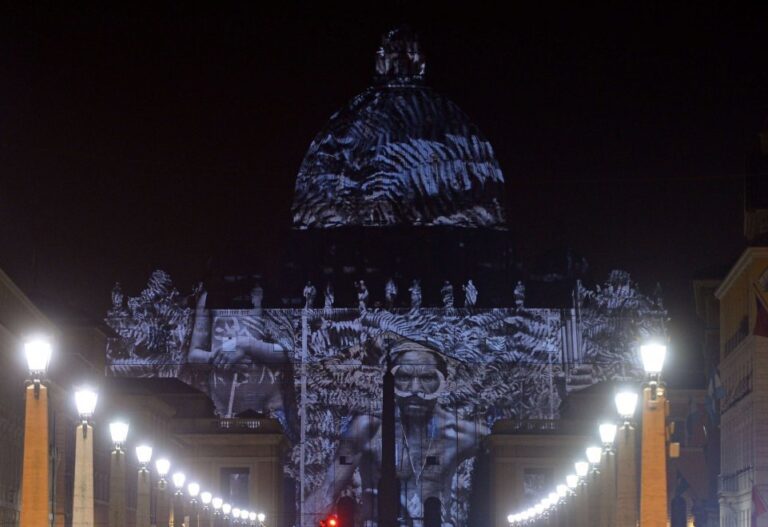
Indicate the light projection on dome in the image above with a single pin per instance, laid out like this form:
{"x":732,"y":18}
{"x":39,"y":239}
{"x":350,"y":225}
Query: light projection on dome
{"x":456,"y":372}
{"x":399,"y":154}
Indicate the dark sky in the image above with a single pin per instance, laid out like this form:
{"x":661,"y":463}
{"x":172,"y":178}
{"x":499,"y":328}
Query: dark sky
{"x":133,"y":138}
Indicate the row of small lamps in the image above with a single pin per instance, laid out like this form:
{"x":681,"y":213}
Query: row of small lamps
{"x":652,"y":355}
{"x":38,"y":353}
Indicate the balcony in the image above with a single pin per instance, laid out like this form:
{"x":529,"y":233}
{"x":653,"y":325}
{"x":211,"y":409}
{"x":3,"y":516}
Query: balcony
{"x":736,"y":482}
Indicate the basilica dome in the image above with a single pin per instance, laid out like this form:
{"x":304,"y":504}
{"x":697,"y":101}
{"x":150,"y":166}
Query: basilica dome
{"x":399,"y":154}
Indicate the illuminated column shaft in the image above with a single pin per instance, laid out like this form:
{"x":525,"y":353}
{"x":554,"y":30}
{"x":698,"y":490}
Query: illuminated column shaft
{"x":583,"y":499}
{"x":35,"y":493}
{"x":653,"y":480}
{"x":117,"y":510}
{"x":82,"y":493}
{"x":608,"y":489}
{"x":626,"y":477}
{"x":161,"y":508}
{"x":142,"y":499}
{"x":177,"y":511}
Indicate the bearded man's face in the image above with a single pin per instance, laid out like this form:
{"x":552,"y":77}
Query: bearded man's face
{"x":418,"y":382}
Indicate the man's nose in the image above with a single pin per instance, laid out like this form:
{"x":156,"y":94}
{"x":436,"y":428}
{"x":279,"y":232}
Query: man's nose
{"x":415,"y":385}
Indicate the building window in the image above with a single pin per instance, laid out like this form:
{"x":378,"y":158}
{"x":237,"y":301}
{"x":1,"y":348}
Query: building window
{"x":234,"y":484}
{"x":537,"y":483}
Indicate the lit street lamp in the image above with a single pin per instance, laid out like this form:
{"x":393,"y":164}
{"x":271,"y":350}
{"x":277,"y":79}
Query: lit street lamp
{"x":177,"y":511}
{"x":207,"y":519}
{"x":117,"y":509}
{"x":162,"y":513}
{"x":626,"y":462}
{"x":193,"y":489}
{"x":143,"y":488}
{"x":261,"y":517}
{"x":35,"y":497}
{"x":217,"y":503}
{"x":226,"y":509}
{"x":653,"y":477}
{"x":607,"y":475}
{"x":82,"y":493}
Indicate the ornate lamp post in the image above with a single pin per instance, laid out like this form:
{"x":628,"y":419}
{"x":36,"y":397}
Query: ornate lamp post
{"x":582,"y":498}
{"x":162,"y":512}
{"x":193,"y":489}
{"x":562,"y":494}
{"x":177,"y":510}
{"x":594,"y":455}
{"x":206,"y":498}
{"x":35,"y":493}
{"x":653,"y":478}
{"x":261,"y":517}
{"x":607,"y":475}
{"x":117,"y":509}
{"x":82,"y":493}
{"x":236,"y":516}
{"x":143,"y":488}
{"x":252,"y":517}
{"x":626,"y":462}
{"x":217,"y":503}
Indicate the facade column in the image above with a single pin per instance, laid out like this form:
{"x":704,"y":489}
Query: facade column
{"x":161,"y":504}
{"x":35,"y":487}
{"x":117,"y":508}
{"x":653,"y":480}
{"x":626,"y":477}
{"x":143,"y":493}
{"x":82,"y":493}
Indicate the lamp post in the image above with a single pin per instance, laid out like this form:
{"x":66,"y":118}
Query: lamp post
{"x":582,"y":499}
{"x":177,"y":509}
{"x":626,"y":462}
{"x":653,"y":477}
{"x":206,"y":498}
{"x":235,"y":516}
{"x":143,"y":487}
{"x":261,"y":517}
{"x":82,"y":492}
{"x":225,"y":509}
{"x":117,"y":510}
{"x":607,"y":475}
{"x":217,"y":503}
{"x":252,"y":516}
{"x":594,"y":455}
{"x":194,"y":520}
{"x":562,"y":495}
{"x":162,"y":512}
{"x":35,"y":487}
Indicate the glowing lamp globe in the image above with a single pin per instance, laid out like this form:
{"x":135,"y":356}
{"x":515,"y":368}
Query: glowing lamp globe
{"x":163,"y":466}
{"x":652,"y":355}
{"x":206,"y":497}
{"x":236,"y":512}
{"x":144,"y":454}
{"x":626,"y":403}
{"x":178,"y":480}
{"x":119,"y":432}
{"x":226,"y":508}
{"x":193,"y":489}
{"x":538,"y":508}
{"x":244,"y":514}
{"x":582,"y":468}
{"x":545,"y":503}
{"x":38,"y":352}
{"x":572,"y":480}
{"x":252,"y":516}
{"x":562,"y":490}
{"x":217,"y":503}
{"x":261,"y":517}
{"x":511,"y":518}
{"x":607,"y":433}
{"x":594,"y":453}
{"x":554,"y":497}
{"x":85,"y":401}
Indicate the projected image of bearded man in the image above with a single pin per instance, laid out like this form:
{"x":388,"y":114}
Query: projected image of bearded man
{"x":431,"y":442}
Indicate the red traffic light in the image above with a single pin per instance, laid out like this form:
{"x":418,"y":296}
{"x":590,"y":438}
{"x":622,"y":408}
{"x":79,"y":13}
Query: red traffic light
{"x":333,"y":522}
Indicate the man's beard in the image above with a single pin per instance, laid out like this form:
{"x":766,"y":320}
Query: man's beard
{"x":416,"y":406}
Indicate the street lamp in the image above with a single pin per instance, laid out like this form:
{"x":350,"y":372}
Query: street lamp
{"x":235,"y":515}
{"x":177,"y":511}
{"x":582,"y":499}
{"x":82,"y":492}
{"x":653,"y":477}
{"x":206,"y":498}
{"x":608,"y":475}
{"x":626,"y":508}
{"x":35,"y":497}
{"x":252,"y":516}
{"x":193,"y":489}
{"x":162,"y":514}
{"x":143,"y":490}
{"x":217,"y":503}
{"x":117,"y":507}
{"x":261,"y":517}
{"x":226,"y":509}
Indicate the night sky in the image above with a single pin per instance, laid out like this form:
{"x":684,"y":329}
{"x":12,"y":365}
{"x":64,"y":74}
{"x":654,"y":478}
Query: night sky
{"x":135,"y":138}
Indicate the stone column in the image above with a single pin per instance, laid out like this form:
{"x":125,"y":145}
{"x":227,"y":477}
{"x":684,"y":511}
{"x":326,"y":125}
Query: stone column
{"x":162,"y":512}
{"x":117,"y":508}
{"x":177,"y":510}
{"x":653,"y":479}
{"x":608,"y":489}
{"x":143,"y":492}
{"x":626,"y":477}
{"x":82,"y":493}
{"x":35,"y":485}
